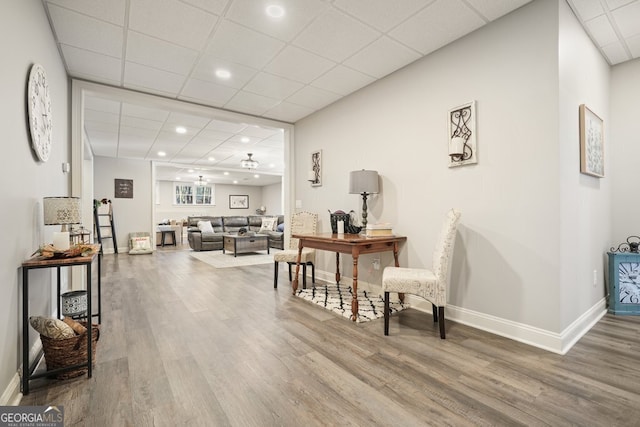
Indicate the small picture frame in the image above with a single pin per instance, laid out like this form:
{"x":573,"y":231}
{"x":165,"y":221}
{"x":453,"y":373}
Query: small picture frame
{"x":591,"y":143}
{"x":123,"y":188}
{"x":237,"y":201}
{"x":316,"y":169}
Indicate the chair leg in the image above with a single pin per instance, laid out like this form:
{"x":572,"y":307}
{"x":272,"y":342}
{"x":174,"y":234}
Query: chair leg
{"x":313,"y":273}
{"x":386,"y":313}
{"x":275,"y":275}
{"x":441,"y":321}
{"x":289,"y":271}
{"x":304,"y":276}
{"x":435,"y":313}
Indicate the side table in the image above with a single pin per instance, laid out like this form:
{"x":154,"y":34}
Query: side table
{"x":37,"y":263}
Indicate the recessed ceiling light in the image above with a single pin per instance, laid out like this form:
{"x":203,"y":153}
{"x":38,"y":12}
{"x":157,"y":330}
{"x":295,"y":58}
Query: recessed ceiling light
{"x":272,"y":165}
{"x":275,"y":11}
{"x":212,"y":159}
{"x":223,"y":74}
{"x":181,"y":129}
{"x":244,"y":139}
{"x":235,"y":182}
{"x":256,"y":176}
{"x":178,"y":178}
{"x":226,"y":173}
{"x":190,"y":170}
{"x":161,"y":153}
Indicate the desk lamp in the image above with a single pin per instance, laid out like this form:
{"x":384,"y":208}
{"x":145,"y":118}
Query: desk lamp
{"x":363,"y":182}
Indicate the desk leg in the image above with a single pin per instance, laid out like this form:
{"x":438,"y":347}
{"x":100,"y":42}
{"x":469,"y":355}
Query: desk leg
{"x":99,"y":289}
{"x":58,"y":285}
{"x":395,"y":257}
{"x":337,"y":268}
{"x":354,"y":300}
{"x":25,"y":331}
{"x":294,"y":284}
{"x":90,"y":320}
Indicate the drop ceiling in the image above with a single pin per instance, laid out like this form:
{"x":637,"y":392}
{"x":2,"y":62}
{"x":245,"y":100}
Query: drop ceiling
{"x":280,"y":68}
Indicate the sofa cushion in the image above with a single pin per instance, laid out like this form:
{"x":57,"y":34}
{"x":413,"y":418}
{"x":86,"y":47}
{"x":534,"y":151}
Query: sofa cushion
{"x":234,"y":223}
{"x":205,"y":226}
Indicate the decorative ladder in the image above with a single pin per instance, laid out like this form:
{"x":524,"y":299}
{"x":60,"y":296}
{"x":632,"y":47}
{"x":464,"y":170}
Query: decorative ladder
{"x":100,"y":224}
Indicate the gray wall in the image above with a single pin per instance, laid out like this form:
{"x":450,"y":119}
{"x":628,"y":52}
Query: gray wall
{"x":25,"y":38}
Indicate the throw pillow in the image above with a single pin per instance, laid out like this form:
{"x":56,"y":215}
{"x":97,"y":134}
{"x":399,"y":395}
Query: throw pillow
{"x":280,"y":227}
{"x":205,"y":226}
{"x":76,"y":326}
{"x":268,"y":224}
{"x":140,"y":243}
{"x":51,"y":328}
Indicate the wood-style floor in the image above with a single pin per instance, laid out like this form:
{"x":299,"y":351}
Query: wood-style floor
{"x":183,"y":343}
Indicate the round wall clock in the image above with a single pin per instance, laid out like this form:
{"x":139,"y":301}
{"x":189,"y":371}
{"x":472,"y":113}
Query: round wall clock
{"x":39,"y":105}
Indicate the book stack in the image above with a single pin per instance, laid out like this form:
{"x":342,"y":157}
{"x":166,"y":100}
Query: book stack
{"x":379,"y":230}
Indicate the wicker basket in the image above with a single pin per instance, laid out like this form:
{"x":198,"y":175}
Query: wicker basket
{"x":63,"y":352}
{"x":348,"y":228}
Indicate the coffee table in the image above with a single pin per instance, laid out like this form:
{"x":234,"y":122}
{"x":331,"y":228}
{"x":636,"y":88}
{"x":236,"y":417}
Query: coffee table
{"x":243,"y":244}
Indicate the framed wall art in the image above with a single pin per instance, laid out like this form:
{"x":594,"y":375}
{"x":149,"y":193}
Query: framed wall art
{"x":238,"y":201}
{"x":591,"y":143}
{"x":123,"y":188}
{"x":316,"y":168}
{"x":462,"y":135}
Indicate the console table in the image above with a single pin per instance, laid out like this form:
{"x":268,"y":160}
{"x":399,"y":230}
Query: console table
{"x":354,"y":244}
{"x":58,"y":263}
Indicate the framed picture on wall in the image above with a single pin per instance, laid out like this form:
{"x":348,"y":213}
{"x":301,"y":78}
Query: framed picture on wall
{"x":238,"y":201}
{"x":315,"y":176}
{"x":591,"y":143}
{"x":123,"y":188}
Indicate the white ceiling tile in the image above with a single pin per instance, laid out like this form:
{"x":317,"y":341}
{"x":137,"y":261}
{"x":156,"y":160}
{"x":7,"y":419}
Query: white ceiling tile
{"x":173,"y":21}
{"x":260,"y":49}
{"x":614,"y":4}
{"x":151,"y":78}
{"x":601,"y":30}
{"x":312,"y":97}
{"x":260,"y":132}
{"x":135,"y":122}
{"x":381,"y":14}
{"x":159,"y":54}
{"x":288,"y":112}
{"x":80,"y":61}
{"x":251,"y":103}
{"x":224,"y":126}
{"x":209,"y":138}
{"x":342,"y":80}
{"x":87,"y":33}
{"x":207,"y":66}
{"x":446,"y":20}
{"x":207,"y":93}
{"x":298,"y":14}
{"x":101,"y":104}
{"x":615,"y":53}
{"x":102,"y":117}
{"x":298,"y":64}
{"x":91,"y":126}
{"x":111,"y":11}
{"x":188,"y":120}
{"x":587,"y":9}
{"x":634,"y":46}
{"x":382,"y":57}
{"x":627,"y":19}
{"x":493,"y":9}
{"x":102,"y":149}
{"x":272,"y":86}
{"x":336,"y":36}
{"x":194,"y":151}
{"x":213,"y":6}
{"x":143,"y":112}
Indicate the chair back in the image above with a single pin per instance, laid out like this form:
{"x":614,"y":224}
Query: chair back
{"x":444,"y":246}
{"x":302,"y":223}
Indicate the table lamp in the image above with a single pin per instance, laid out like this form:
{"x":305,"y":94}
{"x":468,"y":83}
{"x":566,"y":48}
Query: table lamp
{"x":61,"y":211}
{"x":363,"y":182}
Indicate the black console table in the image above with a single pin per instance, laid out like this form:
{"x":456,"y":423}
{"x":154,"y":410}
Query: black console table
{"x":37,"y":263}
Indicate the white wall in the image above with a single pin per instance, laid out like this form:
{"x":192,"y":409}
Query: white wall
{"x":506,"y":264}
{"x":585,"y":201}
{"x":130,"y":215}
{"x":625,"y":152}
{"x":165,"y":209}
{"x":26,"y":180}
{"x":272,"y":199}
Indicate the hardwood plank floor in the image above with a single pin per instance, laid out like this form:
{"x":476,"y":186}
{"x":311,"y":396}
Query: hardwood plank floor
{"x":183,"y":343}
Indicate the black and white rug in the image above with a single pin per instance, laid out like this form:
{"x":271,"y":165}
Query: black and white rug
{"x":337,"y":298}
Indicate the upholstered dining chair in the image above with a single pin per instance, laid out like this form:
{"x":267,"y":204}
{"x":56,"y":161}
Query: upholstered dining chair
{"x":428,"y":284}
{"x":301,"y":223}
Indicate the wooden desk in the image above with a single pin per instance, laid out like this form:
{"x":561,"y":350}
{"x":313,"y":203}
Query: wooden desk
{"x":354,"y":244}
{"x":38,"y":262}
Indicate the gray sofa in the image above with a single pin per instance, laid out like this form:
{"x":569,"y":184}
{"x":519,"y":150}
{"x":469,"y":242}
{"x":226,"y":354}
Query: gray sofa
{"x":229,"y":224}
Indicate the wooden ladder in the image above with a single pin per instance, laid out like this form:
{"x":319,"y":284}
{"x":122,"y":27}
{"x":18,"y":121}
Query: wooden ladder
{"x":104,"y":220}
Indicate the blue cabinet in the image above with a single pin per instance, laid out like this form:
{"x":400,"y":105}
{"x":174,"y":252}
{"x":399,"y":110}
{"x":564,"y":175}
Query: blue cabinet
{"x":624,"y":283}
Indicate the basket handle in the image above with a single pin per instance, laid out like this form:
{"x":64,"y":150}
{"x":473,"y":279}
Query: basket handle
{"x":97,"y":333}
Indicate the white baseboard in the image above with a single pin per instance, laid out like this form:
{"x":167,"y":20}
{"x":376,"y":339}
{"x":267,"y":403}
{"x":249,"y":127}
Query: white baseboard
{"x":554,"y":342}
{"x":12,"y":395}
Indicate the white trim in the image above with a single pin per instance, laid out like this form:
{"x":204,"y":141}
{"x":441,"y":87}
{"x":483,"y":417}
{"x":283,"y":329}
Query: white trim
{"x":11,"y":395}
{"x":559,"y":343}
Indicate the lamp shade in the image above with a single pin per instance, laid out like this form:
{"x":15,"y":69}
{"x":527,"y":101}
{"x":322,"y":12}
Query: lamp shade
{"x":62,"y":210}
{"x":363,"y":181}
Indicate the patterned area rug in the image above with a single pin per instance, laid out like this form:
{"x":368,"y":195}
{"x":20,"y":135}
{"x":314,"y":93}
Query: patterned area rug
{"x":219,"y":260}
{"x":337,"y":298}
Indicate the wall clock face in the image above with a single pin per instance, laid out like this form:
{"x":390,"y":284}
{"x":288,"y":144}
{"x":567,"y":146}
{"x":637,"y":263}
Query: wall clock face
{"x":39,"y":105}
{"x":629,"y":282}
